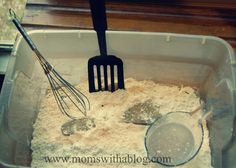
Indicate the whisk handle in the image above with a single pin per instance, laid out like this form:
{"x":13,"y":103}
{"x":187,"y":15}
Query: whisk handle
{"x":23,"y":32}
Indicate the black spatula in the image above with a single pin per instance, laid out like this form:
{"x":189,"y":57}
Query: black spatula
{"x":103,"y":60}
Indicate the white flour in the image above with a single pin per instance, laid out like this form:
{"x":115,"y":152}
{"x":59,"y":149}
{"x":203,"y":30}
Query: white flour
{"x":111,"y":136}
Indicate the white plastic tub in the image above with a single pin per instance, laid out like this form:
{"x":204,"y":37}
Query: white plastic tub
{"x":206,"y":62}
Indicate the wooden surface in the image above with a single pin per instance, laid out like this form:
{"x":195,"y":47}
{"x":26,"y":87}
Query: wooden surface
{"x":209,"y":17}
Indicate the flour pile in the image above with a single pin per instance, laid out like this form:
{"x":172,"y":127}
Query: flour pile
{"x":111,"y":137}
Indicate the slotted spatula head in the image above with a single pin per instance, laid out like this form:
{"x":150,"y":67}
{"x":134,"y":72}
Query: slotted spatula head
{"x":105,"y":72}
{"x":105,"y":64}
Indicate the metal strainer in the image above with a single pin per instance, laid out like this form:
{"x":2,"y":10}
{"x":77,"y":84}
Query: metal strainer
{"x":175,"y":138}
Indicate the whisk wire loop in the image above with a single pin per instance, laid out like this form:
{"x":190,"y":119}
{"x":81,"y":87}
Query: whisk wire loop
{"x":65,"y":94}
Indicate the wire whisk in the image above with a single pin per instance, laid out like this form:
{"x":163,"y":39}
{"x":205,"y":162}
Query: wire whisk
{"x":67,"y":97}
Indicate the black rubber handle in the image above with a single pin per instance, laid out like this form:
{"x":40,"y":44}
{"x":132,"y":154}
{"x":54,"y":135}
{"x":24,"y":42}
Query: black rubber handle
{"x":24,"y":34}
{"x":98,"y":11}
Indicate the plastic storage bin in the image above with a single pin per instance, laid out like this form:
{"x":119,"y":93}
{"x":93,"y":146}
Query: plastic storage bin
{"x":202,"y":61}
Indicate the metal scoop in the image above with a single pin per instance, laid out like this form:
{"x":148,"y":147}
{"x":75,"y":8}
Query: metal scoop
{"x":175,"y":138}
{"x":103,"y":61}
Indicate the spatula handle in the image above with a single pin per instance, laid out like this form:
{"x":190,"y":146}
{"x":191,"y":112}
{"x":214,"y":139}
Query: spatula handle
{"x":98,"y":14}
{"x":98,"y":10}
